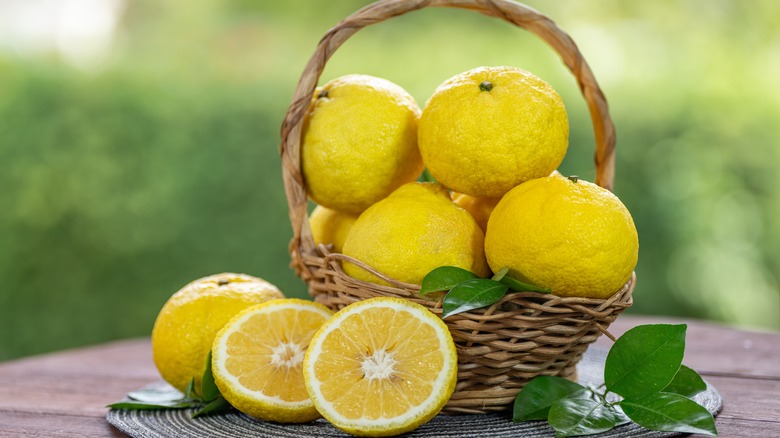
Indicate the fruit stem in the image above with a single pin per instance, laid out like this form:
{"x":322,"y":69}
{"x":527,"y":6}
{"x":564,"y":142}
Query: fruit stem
{"x":486,"y":86}
{"x":574,"y":178}
{"x":323,"y":93}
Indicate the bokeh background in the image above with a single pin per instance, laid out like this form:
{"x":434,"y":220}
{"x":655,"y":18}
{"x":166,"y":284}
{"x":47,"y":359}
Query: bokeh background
{"x":139,"y":144}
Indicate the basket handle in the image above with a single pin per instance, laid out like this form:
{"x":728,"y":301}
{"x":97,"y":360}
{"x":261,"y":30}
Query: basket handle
{"x":508,"y":10}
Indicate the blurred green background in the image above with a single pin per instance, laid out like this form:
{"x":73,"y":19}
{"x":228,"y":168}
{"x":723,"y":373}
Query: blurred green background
{"x":139,"y":139}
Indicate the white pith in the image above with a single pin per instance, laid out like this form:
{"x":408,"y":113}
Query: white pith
{"x":287,"y":354}
{"x":379,"y":366}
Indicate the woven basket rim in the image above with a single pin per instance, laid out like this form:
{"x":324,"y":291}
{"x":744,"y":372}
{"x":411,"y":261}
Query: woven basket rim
{"x":594,"y":307}
{"x":334,"y":259}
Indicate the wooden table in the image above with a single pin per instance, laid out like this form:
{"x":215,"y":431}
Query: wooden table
{"x":65,"y":393}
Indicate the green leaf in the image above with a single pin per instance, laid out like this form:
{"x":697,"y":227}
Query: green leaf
{"x":519,"y":286}
{"x":426,"y":176}
{"x":534,"y":400}
{"x":620,"y":417}
{"x":472,"y":294}
{"x":207,"y":385}
{"x":156,"y":394}
{"x":157,"y":397}
{"x":671,"y":413}
{"x":645,"y":359}
{"x":217,"y":405}
{"x":190,"y":391}
{"x":500,"y":274}
{"x":141,"y":406}
{"x":572,"y":416}
{"x":686,"y":382}
{"x":444,"y":278}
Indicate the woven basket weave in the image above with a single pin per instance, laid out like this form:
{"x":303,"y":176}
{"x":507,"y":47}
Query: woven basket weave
{"x":525,"y":334}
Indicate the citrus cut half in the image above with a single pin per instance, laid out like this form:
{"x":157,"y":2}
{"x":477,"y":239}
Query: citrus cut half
{"x":381,"y":367}
{"x":257,"y":358}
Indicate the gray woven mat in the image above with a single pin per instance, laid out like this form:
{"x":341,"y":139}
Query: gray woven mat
{"x":177,"y":423}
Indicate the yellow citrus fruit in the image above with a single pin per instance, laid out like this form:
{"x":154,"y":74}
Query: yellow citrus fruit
{"x":359,"y":142}
{"x":487,"y":130}
{"x":568,"y":235}
{"x":189,"y":320}
{"x":381,"y":367}
{"x":330,"y":226}
{"x":480,"y":208}
{"x":257,"y":359}
{"x":413,"y":231}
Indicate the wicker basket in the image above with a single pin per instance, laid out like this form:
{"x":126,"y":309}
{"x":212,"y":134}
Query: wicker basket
{"x":524,"y":335}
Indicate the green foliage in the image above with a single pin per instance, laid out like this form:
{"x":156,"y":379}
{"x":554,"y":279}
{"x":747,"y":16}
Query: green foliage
{"x":645,"y":359}
{"x":117,"y":193}
{"x":120,"y":185}
{"x":472,"y":294}
{"x":168,"y":397}
{"x":465,"y":291}
{"x":444,"y":278}
{"x":639,"y":367}
{"x":538,"y":395}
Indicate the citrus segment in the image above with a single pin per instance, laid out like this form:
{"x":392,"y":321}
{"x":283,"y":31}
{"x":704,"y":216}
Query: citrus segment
{"x":257,"y":358}
{"x":381,"y":367}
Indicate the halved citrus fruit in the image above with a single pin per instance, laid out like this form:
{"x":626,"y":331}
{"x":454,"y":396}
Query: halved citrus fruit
{"x":381,"y":367}
{"x":257,"y":358}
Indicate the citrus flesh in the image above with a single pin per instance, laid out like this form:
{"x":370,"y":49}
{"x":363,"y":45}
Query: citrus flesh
{"x":186,"y":325}
{"x":330,"y":227}
{"x":381,"y":367}
{"x":489,"y":129}
{"x":413,"y":231}
{"x":359,"y":142}
{"x":257,"y":359}
{"x":567,"y":235}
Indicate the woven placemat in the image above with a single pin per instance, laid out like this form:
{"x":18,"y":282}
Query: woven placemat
{"x":178,"y":423}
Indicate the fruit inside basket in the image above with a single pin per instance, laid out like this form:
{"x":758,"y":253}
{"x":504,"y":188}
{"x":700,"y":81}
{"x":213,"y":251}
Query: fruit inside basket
{"x":468,"y":182}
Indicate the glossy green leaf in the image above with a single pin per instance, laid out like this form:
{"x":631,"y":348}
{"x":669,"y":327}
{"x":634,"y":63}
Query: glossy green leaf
{"x":156,"y":394}
{"x":572,"y":416}
{"x":645,"y":359}
{"x":620,"y":417}
{"x":534,"y":400}
{"x":444,"y":278}
{"x":217,"y":405}
{"x":686,"y":382}
{"x":671,"y":413}
{"x":156,"y":397}
{"x":519,"y":286}
{"x":472,"y":294}
{"x":208,"y":386}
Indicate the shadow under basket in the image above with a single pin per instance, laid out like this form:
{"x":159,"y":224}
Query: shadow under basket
{"x":525,"y":334}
